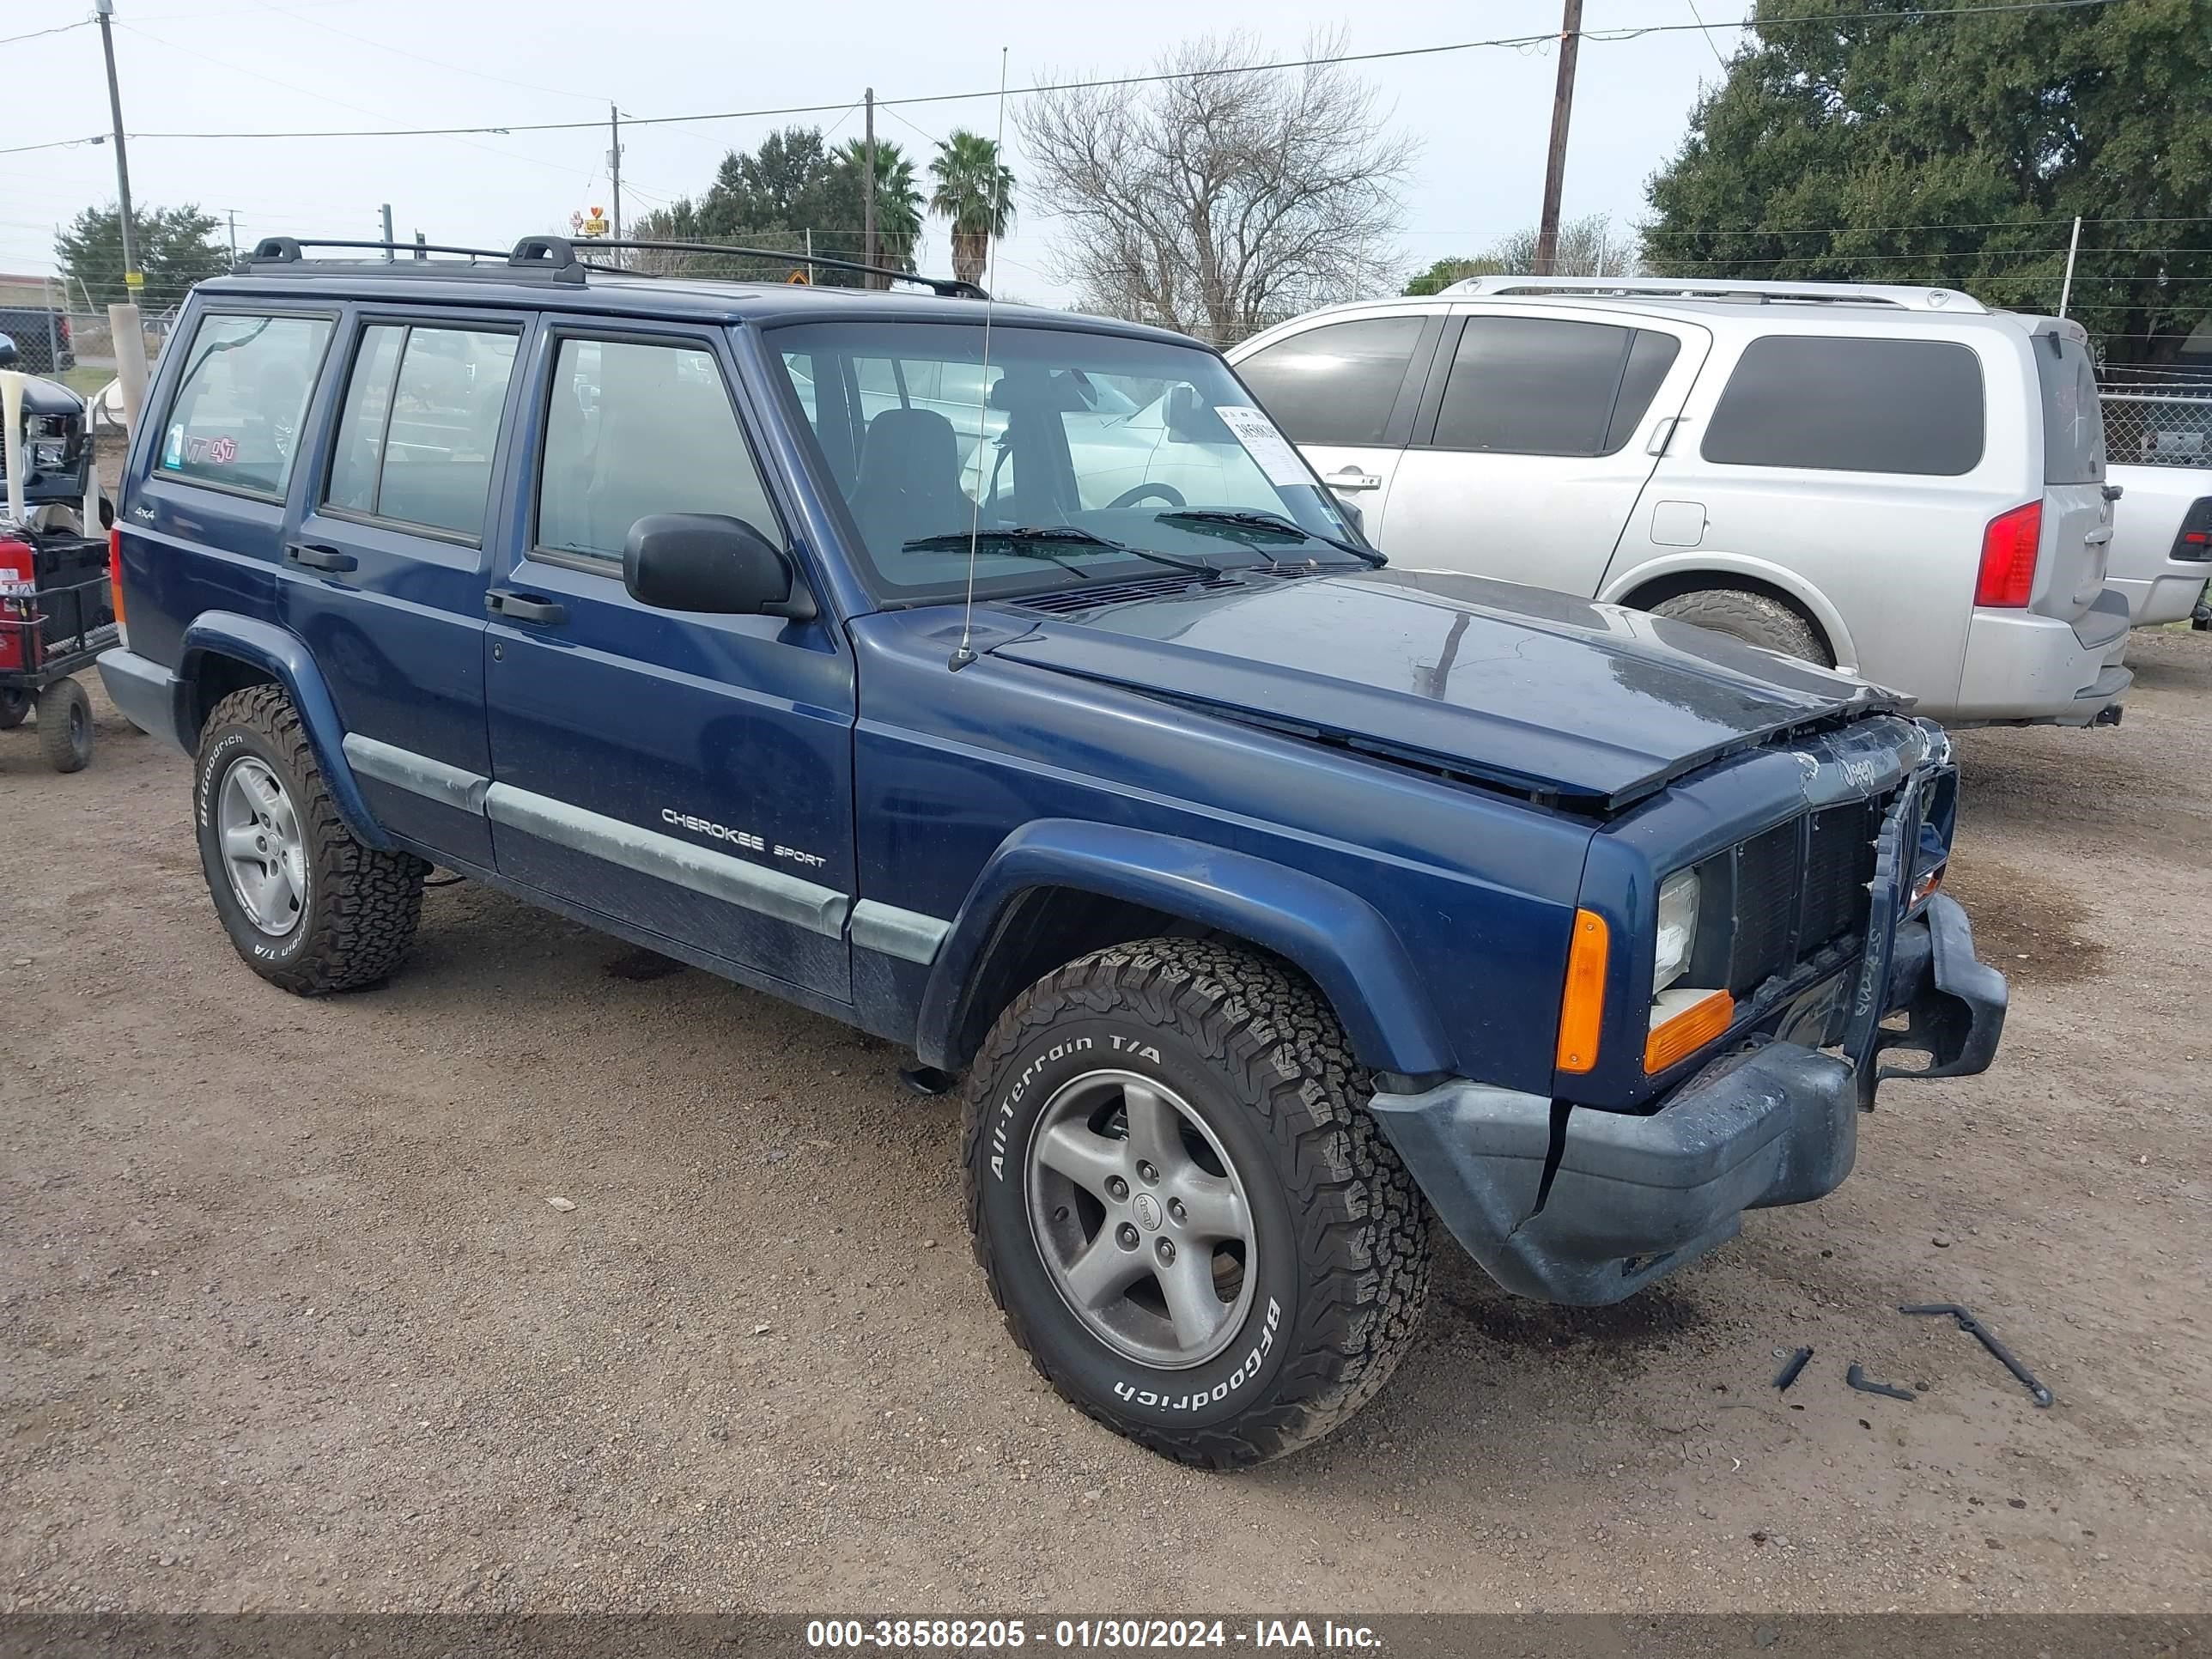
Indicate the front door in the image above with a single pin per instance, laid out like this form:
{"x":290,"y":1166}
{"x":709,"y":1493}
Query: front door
{"x":384,"y":576}
{"x":1536,"y":436}
{"x":1345,"y":392}
{"x":690,"y":775}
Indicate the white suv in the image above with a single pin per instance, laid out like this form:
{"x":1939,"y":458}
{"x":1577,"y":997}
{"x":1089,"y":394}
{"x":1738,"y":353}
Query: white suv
{"x":1896,"y":480}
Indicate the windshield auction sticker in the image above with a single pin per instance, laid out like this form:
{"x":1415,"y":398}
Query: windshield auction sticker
{"x":1264,"y":444}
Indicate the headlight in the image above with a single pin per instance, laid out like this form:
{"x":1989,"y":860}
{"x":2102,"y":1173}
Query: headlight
{"x":1678,"y":929}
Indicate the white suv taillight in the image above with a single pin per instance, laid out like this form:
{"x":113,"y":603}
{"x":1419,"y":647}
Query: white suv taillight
{"x":2010,"y":547}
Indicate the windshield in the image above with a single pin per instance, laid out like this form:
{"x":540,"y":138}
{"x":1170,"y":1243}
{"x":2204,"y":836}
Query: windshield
{"x":1132,"y":442}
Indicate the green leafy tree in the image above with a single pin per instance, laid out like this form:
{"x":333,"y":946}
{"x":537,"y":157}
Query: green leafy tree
{"x":1587,"y":247}
{"x":975,"y":191}
{"x":1955,"y":152}
{"x":793,"y":184}
{"x":898,"y":200}
{"x":176,"y":249}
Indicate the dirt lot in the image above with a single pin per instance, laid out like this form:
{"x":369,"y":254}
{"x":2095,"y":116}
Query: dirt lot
{"x":286,"y":1321}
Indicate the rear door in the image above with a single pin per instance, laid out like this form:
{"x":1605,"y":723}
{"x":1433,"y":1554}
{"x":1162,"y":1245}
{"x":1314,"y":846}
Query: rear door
{"x":2077,"y":519}
{"x":205,"y":529}
{"x":1344,"y":392}
{"x":1537,"y":433}
{"x":690,"y":775}
{"x":384,"y":577}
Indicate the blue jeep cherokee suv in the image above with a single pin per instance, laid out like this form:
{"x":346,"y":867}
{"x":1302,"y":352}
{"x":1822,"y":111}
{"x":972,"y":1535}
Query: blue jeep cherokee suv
{"x":1001,"y":683}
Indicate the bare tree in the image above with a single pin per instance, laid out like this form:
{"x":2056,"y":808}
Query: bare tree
{"x":1224,"y":199}
{"x":1587,"y":247}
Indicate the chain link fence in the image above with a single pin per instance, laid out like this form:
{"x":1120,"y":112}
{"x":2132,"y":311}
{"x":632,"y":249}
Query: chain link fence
{"x":2160,"y":428}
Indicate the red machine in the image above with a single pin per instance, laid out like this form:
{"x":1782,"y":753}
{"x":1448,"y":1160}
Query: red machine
{"x":57,"y":615}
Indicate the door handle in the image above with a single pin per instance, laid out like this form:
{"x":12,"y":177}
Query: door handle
{"x":1351,"y":477}
{"x":318,"y":557}
{"x":519,"y":607}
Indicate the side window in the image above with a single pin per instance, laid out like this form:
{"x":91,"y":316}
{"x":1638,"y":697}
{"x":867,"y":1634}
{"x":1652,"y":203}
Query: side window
{"x":235,"y":420}
{"x":421,"y":426}
{"x":1847,"y":405}
{"x":1335,"y":384}
{"x":635,"y":429}
{"x":1535,"y":385}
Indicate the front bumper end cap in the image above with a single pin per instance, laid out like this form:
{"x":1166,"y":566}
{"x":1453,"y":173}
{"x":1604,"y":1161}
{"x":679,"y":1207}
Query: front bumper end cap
{"x":1629,"y":1198}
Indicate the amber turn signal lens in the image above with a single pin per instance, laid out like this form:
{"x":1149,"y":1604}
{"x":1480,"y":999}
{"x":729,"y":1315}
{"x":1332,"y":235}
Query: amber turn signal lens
{"x":1682,"y":1035}
{"x":1581,"y":1005}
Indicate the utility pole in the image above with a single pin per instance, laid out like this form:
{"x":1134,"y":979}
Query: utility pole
{"x":232,"y":213}
{"x":2073,"y":248}
{"x":614,"y":168}
{"x":1555,"y":164}
{"x":868,"y":193}
{"x":123,"y":321}
{"x":387,"y":233}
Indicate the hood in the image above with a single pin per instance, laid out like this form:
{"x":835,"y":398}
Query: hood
{"x":1520,"y":687}
{"x":45,"y":397}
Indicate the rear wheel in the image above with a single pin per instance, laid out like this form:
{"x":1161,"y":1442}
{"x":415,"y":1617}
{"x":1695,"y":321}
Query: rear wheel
{"x":1192,"y":1225}
{"x":65,"y":726}
{"x":308,"y":907}
{"x":14,"y":708}
{"x":1755,"y":618}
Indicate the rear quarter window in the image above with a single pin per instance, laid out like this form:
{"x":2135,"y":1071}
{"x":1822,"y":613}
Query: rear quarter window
{"x":1843,"y":404}
{"x":236,"y":417}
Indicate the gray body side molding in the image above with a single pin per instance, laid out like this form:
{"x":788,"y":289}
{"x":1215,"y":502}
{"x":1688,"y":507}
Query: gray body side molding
{"x":885,"y":928}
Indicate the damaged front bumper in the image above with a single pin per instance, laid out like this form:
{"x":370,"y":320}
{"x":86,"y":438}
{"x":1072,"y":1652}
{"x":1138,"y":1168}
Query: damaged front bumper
{"x":1575,"y":1205}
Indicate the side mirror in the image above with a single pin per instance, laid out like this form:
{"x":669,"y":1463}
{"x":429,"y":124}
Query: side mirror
{"x":1350,"y":511}
{"x":708,"y":561}
{"x":1191,"y":419}
{"x":9,"y":354}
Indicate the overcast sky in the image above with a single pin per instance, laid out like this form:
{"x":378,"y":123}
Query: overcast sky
{"x":229,"y":65}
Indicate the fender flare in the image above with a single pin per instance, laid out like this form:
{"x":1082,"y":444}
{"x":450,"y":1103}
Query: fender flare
{"x":285,"y":658}
{"x":1335,"y":937}
{"x":1699,"y":562}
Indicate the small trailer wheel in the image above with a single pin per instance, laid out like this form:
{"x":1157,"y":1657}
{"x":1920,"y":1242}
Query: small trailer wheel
{"x":65,"y":726}
{"x":14,"y":709}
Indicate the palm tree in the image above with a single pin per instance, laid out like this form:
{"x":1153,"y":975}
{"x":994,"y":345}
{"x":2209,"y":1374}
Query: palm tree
{"x":976,"y":191}
{"x":898,"y":199}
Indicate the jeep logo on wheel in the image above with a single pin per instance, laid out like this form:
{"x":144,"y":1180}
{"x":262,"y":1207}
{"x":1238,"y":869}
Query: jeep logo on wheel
{"x":1148,"y":1212}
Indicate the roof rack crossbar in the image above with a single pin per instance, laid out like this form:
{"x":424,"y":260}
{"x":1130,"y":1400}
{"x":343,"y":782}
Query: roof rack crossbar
{"x":947,"y":287}
{"x":1908,"y":297}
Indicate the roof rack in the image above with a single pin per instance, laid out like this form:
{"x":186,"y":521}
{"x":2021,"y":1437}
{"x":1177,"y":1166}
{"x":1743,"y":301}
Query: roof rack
{"x":540,"y":259}
{"x":531,"y":260}
{"x":951,"y":288}
{"x":1700,"y":288}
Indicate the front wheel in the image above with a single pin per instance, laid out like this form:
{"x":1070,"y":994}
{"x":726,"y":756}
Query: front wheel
{"x":1191,"y":1222}
{"x":308,"y":907}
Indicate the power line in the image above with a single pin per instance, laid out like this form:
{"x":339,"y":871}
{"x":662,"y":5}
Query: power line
{"x":35,"y":34}
{"x":1517,"y":41}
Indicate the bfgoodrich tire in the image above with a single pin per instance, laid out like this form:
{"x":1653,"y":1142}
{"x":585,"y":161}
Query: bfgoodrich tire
{"x":1755,"y":618}
{"x":1192,"y":1224}
{"x":308,"y":907}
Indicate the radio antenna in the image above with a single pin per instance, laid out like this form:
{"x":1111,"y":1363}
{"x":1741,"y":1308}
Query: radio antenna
{"x":963,"y":655}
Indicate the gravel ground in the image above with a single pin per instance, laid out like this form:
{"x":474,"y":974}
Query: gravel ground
{"x":286,"y":1320}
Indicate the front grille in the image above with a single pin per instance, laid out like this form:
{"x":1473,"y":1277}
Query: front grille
{"x":1798,"y":887}
{"x":1765,"y":906}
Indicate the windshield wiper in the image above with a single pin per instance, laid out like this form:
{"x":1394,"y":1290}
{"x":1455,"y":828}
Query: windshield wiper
{"x":1251,"y":520}
{"x":1028,"y":537}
